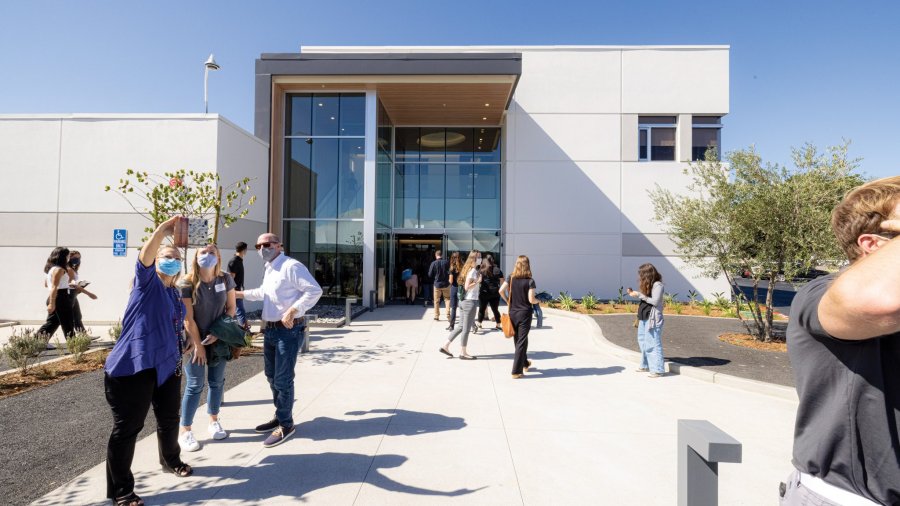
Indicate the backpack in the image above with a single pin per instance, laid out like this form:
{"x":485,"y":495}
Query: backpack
{"x":406,"y":274}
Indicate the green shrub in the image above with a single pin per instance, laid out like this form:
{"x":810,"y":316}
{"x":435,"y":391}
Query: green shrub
{"x":729,"y":312}
{"x":629,"y":307}
{"x":669,"y":299}
{"x":589,"y":302}
{"x":23,"y":347}
{"x":707,"y":307}
{"x":115,"y":331}
{"x":566,"y":301}
{"x":621,"y":298}
{"x":720,"y":301}
{"x":677,"y":307}
{"x":77,"y":345}
{"x":693,"y":297}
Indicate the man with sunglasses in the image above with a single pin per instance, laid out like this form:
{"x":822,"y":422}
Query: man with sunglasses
{"x":288,"y":291}
{"x":844,"y":345}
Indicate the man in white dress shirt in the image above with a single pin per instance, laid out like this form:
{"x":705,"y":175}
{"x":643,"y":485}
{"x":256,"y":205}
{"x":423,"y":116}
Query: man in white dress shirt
{"x":288,"y":291}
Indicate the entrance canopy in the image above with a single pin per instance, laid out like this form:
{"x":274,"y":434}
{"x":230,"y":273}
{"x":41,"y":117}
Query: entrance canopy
{"x":447,"y":89}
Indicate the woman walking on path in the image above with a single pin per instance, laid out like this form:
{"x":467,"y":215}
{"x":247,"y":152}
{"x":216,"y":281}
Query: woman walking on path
{"x":455,"y":268}
{"x":59,"y":300}
{"x":471,"y":286}
{"x":492,"y":278}
{"x":144,"y":367}
{"x":521,"y":303}
{"x":207,"y":293}
{"x":77,"y":289}
{"x":650,"y":320}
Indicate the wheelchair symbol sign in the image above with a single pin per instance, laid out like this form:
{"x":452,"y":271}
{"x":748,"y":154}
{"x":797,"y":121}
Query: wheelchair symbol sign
{"x":120,"y":242}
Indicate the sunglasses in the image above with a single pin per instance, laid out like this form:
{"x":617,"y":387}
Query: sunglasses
{"x":266,"y":244}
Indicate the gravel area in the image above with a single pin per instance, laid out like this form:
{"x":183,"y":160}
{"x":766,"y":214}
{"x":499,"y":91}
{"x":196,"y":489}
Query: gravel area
{"x":53,"y":434}
{"x":692,"y":340}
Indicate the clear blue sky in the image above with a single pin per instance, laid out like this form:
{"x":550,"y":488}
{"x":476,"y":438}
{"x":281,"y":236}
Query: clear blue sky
{"x":801,"y":70}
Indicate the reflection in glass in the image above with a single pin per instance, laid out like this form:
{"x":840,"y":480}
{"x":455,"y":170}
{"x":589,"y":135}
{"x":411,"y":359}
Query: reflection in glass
{"x":353,"y":114}
{"x":431,"y":144}
{"x":704,"y":138}
{"x":350,"y":262}
{"x":431,"y":196}
{"x":325,"y":159}
{"x":642,"y":144}
{"x":324,"y":255}
{"x":459,"y":241}
{"x":488,"y":242}
{"x":383,"y":194}
{"x":460,"y":144}
{"x":406,"y":144}
{"x":351,"y":177}
{"x":487,"y":145}
{"x":326,"y":109}
{"x":662,"y":144}
{"x":487,"y":196}
{"x":299,"y":117}
{"x":459,"y":196}
{"x":297,"y":178}
{"x":406,"y":195}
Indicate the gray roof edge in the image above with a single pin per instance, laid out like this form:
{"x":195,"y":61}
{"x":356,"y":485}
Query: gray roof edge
{"x":390,"y":56}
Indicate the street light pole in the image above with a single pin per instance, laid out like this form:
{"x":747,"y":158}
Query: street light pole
{"x":209,"y":65}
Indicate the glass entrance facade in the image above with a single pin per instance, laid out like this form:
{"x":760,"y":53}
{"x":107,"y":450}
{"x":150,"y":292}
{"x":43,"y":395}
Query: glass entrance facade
{"x":436,"y":182}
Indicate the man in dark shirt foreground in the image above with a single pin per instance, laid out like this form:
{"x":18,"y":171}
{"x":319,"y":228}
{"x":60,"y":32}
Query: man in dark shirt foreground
{"x":439,"y":272}
{"x":844,"y":346}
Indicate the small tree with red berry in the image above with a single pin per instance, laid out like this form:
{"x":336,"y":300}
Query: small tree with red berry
{"x":185,"y":193}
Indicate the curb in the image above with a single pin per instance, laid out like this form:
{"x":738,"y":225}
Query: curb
{"x":749,"y":385}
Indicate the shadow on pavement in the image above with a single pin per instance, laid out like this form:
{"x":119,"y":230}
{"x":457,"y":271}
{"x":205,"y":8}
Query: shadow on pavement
{"x":294,"y":476}
{"x":536,"y":355}
{"x":402,"y":423}
{"x":699,"y":361}
{"x":570,"y":371}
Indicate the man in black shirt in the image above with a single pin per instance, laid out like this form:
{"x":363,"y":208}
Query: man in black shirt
{"x":236,"y":269}
{"x":439,"y":271}
{"x":844,"y":346}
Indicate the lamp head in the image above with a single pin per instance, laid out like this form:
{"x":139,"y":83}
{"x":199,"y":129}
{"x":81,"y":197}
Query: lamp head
{"x":211,"y":63}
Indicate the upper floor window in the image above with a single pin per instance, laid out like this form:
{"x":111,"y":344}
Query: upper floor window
{"x":656,"y":138}
{"x":707,"y":133}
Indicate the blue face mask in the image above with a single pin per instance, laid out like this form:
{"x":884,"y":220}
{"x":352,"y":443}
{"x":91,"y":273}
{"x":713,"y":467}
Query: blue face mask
{"x":169,"y":266}
{"x":207,"y":260}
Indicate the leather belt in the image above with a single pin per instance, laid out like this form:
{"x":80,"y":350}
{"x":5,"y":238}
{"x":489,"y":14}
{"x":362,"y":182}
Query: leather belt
{"x":279,"y":325}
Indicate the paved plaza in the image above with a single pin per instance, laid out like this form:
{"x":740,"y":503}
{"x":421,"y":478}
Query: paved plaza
{"x":384,"y":418}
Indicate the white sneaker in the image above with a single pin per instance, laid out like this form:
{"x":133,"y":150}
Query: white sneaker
{"x":216,"y":431}
{"x":187,"y":442}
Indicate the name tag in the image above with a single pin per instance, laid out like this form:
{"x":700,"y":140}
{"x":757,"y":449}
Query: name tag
{"x":220,"y":287}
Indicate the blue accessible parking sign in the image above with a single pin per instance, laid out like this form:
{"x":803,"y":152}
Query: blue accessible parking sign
{"x":120,"y":242}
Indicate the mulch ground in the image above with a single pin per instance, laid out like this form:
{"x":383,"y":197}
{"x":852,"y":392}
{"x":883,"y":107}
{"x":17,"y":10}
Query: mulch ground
{"x":41,"y":375}
{"x":695,"y":341}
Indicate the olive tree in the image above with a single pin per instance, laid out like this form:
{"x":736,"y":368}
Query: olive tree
{"x":760,"y":218}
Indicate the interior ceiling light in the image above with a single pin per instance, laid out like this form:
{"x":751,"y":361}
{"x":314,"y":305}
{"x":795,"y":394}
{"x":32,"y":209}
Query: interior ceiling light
{"x":436,"y":139}
{"x":487,"y":105}
{"x":484,"y":118}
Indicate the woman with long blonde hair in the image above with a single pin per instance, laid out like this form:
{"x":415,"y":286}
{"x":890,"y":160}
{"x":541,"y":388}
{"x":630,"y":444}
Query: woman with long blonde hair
{"x":471,"y":287}
{"x":521,"y":301}
{"x":208,"y":293}
{"x":650,"y":320}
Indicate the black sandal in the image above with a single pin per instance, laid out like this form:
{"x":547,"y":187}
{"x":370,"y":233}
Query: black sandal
{"x":129,"y":500}
{"x":181,"y":470}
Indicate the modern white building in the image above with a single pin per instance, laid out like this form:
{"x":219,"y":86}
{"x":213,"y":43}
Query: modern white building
{"x":55,"y":169}
{"x":366,"y":159}
{"x":379,"y":155}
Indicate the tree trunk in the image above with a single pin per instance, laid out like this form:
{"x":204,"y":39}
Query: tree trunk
{"x":770,"y":296}
{"x":736,"y":292}
{"x":757,"y":314}
{"x":215,"y":239}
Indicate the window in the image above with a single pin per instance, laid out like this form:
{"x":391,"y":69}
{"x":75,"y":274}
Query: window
{"x":707,"y":133}
{"x":656,"y":138}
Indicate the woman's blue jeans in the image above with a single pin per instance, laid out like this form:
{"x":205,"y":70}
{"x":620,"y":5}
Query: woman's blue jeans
{"x":650,"y":343}
{"x":195,"y":375}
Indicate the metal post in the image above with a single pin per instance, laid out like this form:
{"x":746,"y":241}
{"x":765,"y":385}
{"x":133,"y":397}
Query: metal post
{"x":304,"y":348}
{"x":348,"y":312}
{"x":371,"y":300}
{"x":701,"y":446}
{"x":205,"y":88}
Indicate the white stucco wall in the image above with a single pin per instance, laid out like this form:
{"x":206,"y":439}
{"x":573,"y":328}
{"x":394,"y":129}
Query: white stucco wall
{"x":59,"y":166}
{"x":575,"y":198}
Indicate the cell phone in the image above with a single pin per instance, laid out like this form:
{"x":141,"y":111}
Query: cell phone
{"x":191,"y":232}
{"x":208,"y":340}
{"x":83,"y":284}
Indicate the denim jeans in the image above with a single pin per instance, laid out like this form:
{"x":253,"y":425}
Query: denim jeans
{"x":240,"y":314}
{"x":650,"y":343}
{"x":467,"y":311}
{"x":194,"y":376}
{"x":539,"y":313}
{"x":280,"y":348}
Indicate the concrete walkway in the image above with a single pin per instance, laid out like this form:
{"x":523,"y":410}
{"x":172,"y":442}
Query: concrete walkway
{"x":383,"y":418}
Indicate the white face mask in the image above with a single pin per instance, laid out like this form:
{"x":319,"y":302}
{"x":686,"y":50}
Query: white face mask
{"x":268,"y":254}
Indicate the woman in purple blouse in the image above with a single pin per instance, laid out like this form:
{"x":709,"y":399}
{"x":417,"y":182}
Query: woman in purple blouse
{"x":144,"y":367}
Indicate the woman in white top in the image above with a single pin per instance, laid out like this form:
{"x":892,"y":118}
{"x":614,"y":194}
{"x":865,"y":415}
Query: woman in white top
{"x":650,"y":320}
{"x":77,"y":288}
{"x":59,"y":300}
{"x":468,"y":304}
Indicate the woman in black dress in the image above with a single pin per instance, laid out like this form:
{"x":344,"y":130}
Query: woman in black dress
{"x":520,"y":300}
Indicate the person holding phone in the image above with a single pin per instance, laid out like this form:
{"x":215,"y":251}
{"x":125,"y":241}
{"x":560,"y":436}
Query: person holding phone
{"x":650,"y":320}
{"x":78,"y":287}
{"x":207,"y":293}
{"x":59,"y":300}
{"x":144,"y":367}
{"x":521,"y":301}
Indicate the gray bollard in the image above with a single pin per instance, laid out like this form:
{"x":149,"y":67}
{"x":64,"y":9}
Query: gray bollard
{"x":304,"y":348}
{"x":701,"y":446}
{"x":371,"y":300}
{"x":348,"y":311}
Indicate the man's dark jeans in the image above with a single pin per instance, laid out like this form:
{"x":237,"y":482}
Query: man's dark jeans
{"x":280,"y":348}
{"x":240,"y":314}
